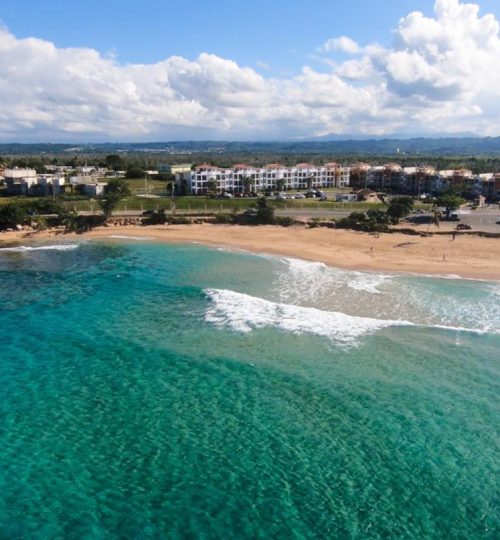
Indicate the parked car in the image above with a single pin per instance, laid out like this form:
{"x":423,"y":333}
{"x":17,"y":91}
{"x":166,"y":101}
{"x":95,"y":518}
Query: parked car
{"x":300,"y":196}
{"x":463,"y":227}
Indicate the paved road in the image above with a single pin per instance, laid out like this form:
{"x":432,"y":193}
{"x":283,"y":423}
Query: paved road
{"x":482,"y":219}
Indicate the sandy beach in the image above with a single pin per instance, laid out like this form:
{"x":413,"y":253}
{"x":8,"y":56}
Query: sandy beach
{"x":466,"y":256}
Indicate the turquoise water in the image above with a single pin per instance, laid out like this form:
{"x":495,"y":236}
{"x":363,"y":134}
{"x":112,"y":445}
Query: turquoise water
{"x":152,"y":391}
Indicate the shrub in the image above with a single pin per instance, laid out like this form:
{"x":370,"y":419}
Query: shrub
{"x":372,"y":221}
{"x":156,"y":218}
{"x":80,"y":224}
{"x":12,"y":214}
{"x":179,"y":220}
{"x":284,"y":221}
{"x":224,"y":218}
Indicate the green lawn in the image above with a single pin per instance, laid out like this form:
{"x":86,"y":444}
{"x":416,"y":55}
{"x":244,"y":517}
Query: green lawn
{"x":207,"y":204}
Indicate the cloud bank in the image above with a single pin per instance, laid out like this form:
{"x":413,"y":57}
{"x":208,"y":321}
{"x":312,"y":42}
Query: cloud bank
{"x":440,"y":74}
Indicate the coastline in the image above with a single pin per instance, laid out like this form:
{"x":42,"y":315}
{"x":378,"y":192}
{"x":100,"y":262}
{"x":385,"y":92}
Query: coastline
{"x":440,"y":255}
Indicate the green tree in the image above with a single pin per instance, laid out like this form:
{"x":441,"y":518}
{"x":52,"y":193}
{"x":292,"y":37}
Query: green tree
{"x":248,"y":183}
{"x":280,"y":184}
{"x":398,"y":208}
{"x":12,"y":214}
{"x":212,"y":185}
{"x":134,"y":172}
{"x":116,"y":190}
{"x":115,"y":162}
{"x":450,"y":200}
{"x":265,"y":212}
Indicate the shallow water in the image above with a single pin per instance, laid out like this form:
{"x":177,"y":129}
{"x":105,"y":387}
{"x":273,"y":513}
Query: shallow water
{"x":155,"y":391}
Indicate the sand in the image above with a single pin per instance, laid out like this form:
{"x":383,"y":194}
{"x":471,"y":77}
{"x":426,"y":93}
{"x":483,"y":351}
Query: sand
{"x":466,"y":256}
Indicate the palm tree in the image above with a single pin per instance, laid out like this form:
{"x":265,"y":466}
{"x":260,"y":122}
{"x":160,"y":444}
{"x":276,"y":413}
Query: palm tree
{"x":212,"y":185}
{"x":248,"y":183}
{"x":435,"y":218}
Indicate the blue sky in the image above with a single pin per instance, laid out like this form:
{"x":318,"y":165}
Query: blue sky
{"x":281,"y":33}
{"x":419,"y":80}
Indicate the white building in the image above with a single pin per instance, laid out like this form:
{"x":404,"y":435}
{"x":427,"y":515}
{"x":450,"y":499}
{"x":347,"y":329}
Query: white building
{"x":274,"y":176}
{"x":20,"y":181}
{"x":90,"y":185}
{"x":49,"y":184}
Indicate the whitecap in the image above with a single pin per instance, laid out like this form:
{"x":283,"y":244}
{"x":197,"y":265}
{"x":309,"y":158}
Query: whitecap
{"x":125,"y":237}
{"x":305,"y":280}
{"x":57,"y":247}
{"x":243,"y":313}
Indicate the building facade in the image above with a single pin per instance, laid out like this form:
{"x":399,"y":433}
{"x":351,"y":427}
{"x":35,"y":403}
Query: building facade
{"x":243,"y":178}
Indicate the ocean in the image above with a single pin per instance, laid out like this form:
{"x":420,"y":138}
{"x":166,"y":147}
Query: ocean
{"x":180,"y":391}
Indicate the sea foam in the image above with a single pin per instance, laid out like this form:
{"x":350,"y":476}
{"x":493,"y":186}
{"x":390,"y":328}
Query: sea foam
{"x":243,"y":313}
{"x":310,"y":272}
{"x":57,"y":247}
{"x":126,"y":237}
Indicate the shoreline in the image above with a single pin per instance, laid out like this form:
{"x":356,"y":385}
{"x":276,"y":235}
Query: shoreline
{"x":467,"y":256}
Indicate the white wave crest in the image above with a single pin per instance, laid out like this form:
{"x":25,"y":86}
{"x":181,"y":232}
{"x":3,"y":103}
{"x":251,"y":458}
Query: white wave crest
{"x":23,"y":249}
{"x":243,"y":312}
{"x":125,"y":237}
{"x":310,"y":281}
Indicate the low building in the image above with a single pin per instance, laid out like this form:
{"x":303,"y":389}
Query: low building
{"x":20,"y":181}
{"x":94,"y":189}
{"x":48,"y":184}
{"x":346,"y":197}
{"x":90,"y":185}
{"x":174,"y":169}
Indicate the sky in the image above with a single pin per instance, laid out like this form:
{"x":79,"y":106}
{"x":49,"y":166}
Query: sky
{"x":125,"y":70}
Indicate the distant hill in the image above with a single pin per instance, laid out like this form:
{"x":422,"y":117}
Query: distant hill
{"x":445,"y":146}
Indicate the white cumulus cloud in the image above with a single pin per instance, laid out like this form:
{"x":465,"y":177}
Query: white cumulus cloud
{"x":342,"y":43}
{"x":441,"y":73}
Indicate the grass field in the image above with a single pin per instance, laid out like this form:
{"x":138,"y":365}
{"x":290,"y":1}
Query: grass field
{"x":204,"y":204}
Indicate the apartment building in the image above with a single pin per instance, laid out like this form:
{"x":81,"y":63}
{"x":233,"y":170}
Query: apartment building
{"x":388,"y":177}
{"x":420,"y":180}
{"x":490,"y":186}
{"x":243,"y":178}
{"x":359,"y":175}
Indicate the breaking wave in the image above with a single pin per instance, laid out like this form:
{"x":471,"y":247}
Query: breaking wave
{"x":125,"y":237}
{"x":58,"y":247}
{"x":243,"y":313}
{"x":303,"y":280}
